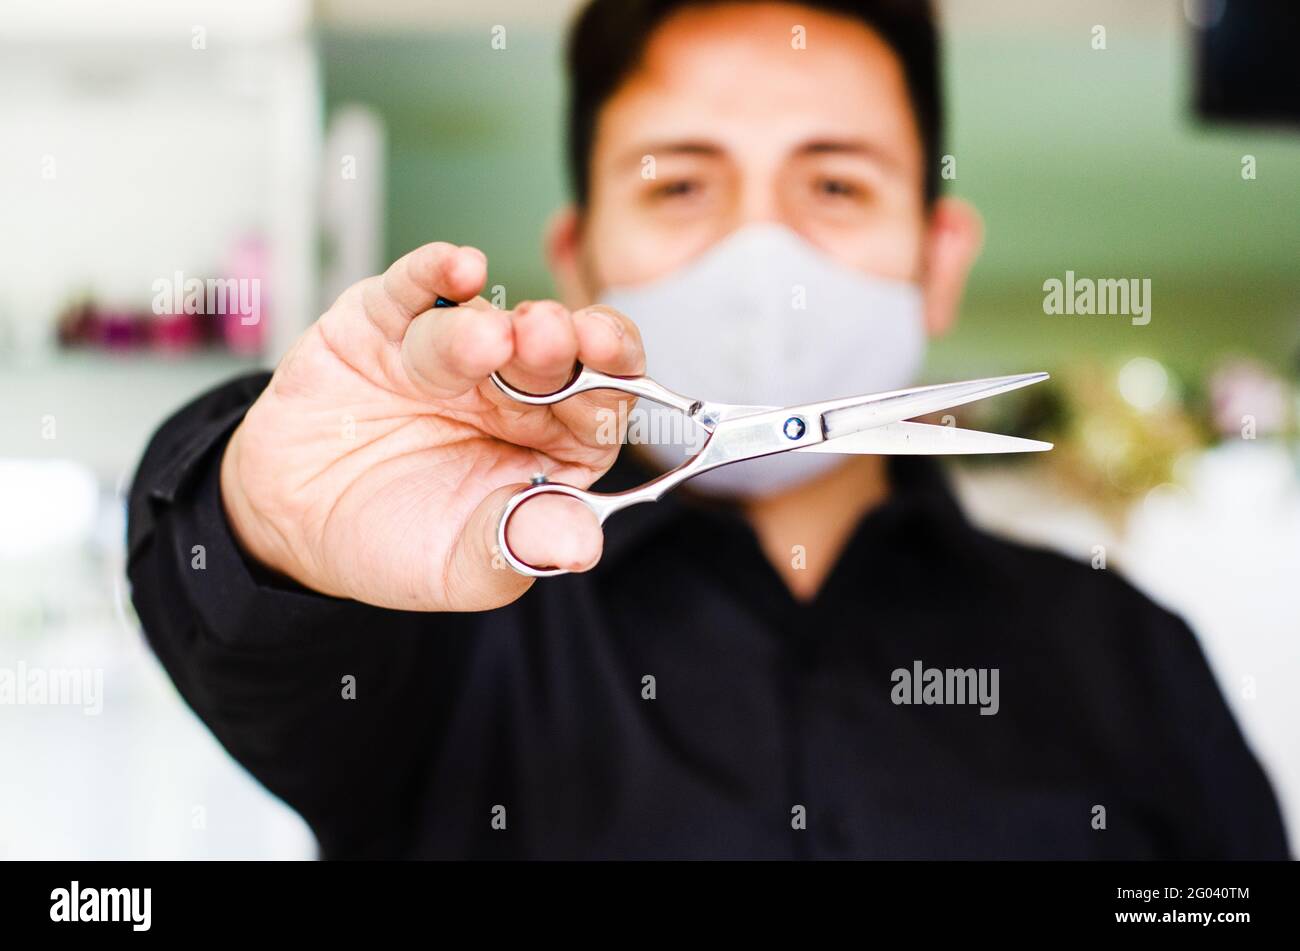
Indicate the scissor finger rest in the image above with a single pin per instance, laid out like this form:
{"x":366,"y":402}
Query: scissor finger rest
{"x":585,"y":379}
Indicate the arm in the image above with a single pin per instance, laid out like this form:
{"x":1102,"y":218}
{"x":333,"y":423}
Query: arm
{"x":262,"y":661}
{"x":1232,"y":813}
{"x":334,"y":524}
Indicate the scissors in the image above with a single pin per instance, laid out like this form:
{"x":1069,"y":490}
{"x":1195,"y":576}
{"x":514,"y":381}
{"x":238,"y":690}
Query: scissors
{"x":871,"y":424}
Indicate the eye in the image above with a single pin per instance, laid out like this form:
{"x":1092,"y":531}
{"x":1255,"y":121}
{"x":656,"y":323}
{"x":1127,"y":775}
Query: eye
{"x":676,"y":188}
{"x":837,"y":188}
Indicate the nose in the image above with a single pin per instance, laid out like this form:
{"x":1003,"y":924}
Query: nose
{"x":758,"y":198}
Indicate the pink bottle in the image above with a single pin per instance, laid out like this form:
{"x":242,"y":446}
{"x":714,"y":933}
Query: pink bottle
{"x":244,"y":325}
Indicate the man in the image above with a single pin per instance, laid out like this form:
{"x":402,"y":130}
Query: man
{"x":742,"y":672}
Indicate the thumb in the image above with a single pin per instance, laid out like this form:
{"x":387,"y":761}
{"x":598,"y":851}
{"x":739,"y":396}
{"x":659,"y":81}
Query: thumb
{"x":548,"y":531}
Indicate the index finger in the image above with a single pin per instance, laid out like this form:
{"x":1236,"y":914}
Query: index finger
{"x":416,"y":280}
{"x":608,"y":341}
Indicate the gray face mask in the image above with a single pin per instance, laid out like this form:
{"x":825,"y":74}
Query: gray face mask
{"x":764,"y":317}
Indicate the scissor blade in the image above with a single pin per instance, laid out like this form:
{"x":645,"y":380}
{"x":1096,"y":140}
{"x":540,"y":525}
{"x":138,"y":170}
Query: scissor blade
{"x":924,"y":439}
{"x":851,"y":415}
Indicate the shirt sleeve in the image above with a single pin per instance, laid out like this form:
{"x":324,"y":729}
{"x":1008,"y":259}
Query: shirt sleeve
{"x":1230,"y":811}
{"x":333,"y":705}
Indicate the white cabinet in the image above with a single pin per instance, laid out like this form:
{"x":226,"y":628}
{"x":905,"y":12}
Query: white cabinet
{"x":138,"y":140}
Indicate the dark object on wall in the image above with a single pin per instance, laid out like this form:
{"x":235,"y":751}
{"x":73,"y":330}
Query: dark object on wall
{"x":1247,"y":70}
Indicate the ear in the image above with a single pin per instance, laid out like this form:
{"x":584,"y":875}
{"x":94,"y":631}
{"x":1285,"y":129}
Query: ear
{"x":953,"y":238}
{"x":563,"y":241}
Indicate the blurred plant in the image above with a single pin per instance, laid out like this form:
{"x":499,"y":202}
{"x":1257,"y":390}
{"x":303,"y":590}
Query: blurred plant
{"x":1123,"y":433}
{"x":1120,"y":430}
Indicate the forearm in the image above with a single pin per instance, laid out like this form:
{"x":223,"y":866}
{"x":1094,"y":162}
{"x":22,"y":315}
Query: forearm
{"x":326,"y":701}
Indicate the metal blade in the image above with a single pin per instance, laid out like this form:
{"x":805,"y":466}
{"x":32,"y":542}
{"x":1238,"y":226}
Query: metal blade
{"x":793,"y":428}
{"x":840,"y":417}
{"x":924,"y":439}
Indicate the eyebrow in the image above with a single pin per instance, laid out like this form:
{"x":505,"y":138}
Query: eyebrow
{"x":676,"y":147}
{"x":857,"y":147}
{"x":708,"y":149}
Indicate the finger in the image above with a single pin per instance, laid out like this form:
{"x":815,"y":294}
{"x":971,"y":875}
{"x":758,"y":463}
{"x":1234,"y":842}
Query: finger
{"x":415,"y":281}
{"x":610,"y":342}
{"x":446,"y":351}
{"x":476,"y":571}
{"x":545,"y":347}
{"x":555,"y":531}
{"x":548,"y":531}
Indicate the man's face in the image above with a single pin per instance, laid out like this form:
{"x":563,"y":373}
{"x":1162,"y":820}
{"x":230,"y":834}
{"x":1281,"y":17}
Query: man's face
{"x":726,"y":123}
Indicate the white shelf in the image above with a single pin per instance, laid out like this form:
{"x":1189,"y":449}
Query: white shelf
{"x":105,"y":406}
{"x":138,"y":156}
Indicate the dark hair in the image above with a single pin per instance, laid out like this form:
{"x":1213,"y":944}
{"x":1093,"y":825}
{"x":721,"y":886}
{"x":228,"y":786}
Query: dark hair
{"x":609,"y":37}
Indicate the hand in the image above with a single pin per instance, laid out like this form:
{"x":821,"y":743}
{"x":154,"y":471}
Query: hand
{"x":376,"y":463}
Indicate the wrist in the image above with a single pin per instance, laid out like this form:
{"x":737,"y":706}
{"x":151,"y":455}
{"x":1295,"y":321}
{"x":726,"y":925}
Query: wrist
{"x":245,"y":526}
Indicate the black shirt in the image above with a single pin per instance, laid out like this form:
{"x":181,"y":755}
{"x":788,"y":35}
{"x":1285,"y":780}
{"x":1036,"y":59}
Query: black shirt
{"x":677,"y":701}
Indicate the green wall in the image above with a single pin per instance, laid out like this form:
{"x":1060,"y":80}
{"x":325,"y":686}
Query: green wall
{"x":1078,"y":159}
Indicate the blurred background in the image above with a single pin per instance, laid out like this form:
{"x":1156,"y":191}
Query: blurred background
{"x":298,"y":146}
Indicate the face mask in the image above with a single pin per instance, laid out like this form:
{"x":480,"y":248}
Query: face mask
{"x":764,"y":317}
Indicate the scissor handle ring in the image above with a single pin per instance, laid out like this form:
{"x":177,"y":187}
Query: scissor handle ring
{"x":571,"y":388}
{"x":585,"y":379}
{"x":590,"y":499}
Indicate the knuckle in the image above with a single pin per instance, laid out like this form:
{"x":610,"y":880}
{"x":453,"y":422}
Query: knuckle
{"x":369,"y":296}
{"x":357,"y":294}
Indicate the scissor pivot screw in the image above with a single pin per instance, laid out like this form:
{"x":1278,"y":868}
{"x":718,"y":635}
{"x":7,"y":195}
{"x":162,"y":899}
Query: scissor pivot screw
{"x":794,"y":428}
